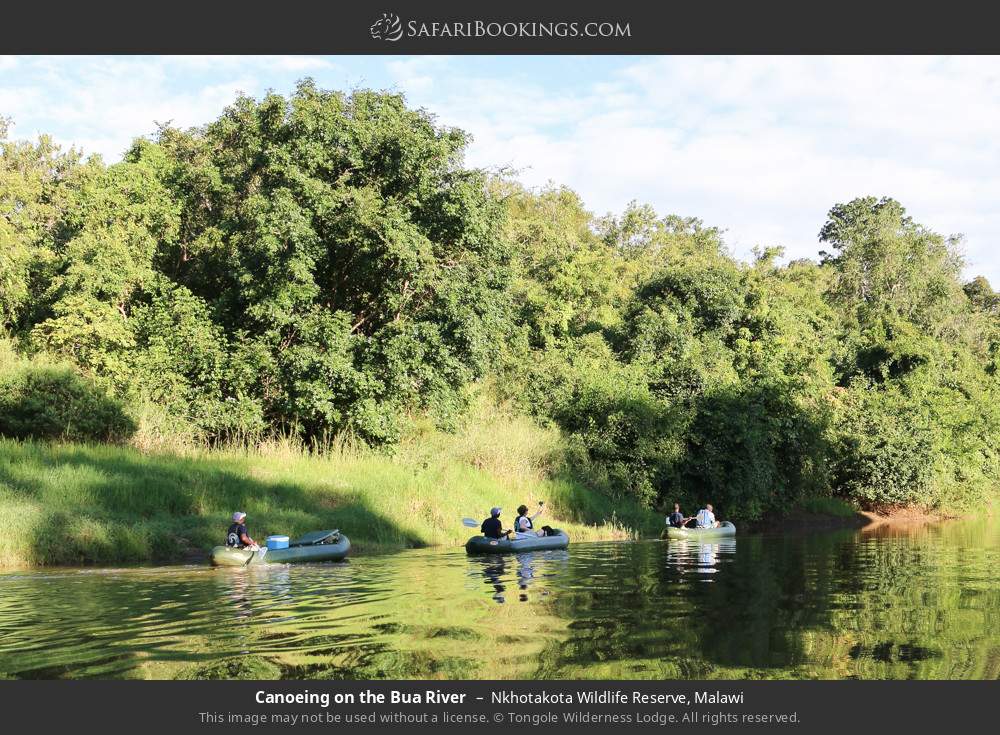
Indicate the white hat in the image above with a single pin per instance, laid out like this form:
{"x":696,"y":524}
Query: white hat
{"x":239,"y":516}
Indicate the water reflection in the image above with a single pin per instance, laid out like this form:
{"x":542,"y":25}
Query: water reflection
{"x":494,"y":569}
{"x":501,"y":571}
{"x":690,"y":556}
{"x":920,"y":603}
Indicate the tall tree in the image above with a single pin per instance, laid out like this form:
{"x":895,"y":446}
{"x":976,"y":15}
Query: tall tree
{"x":885,"y":264}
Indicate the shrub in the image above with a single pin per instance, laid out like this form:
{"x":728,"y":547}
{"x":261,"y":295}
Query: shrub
{"x":54,"y":402}
{"x":884,"y":453}
{"x":751,"y":449}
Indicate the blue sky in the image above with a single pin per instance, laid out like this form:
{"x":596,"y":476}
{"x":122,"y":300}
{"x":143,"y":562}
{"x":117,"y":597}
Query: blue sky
{"x":759,"y":146}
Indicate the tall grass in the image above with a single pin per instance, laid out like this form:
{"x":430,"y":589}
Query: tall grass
{"x":75,"y":503}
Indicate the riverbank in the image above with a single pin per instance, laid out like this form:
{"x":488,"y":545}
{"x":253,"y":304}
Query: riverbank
{"x":74,"y":504}
{"x":70,"y":504}
{"x":829,"y":514}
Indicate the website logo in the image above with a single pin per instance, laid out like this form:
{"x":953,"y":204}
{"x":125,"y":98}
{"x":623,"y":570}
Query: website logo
{"x":387,"y":28}
{"x":390,"y":28}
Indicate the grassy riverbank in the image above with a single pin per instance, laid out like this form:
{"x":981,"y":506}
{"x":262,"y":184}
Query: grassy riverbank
{"x":80,"y":504}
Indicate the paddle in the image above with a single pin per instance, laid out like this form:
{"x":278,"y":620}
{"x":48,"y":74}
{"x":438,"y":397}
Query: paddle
{"x":262,"y":550}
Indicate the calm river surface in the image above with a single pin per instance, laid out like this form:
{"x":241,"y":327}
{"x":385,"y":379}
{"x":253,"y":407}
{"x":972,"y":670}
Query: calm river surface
{"x":921,"y":603}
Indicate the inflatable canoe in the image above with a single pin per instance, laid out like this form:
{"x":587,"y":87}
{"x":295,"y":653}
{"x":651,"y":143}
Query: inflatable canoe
{"x":483,"y":545}
{"x":315,"y":546}
{"x":726,"y":529}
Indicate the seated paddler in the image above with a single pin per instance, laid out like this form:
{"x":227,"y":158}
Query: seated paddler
{"x":492,"y":526}
{"x":237,"y":536}
{"x":524,"y":525}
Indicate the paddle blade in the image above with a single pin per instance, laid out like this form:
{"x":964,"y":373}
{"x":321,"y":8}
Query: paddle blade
{"x":469,"y":523}
{"x":251,"y":557}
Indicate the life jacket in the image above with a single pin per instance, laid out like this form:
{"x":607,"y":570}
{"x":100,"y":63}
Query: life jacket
{"x":520,"y":527}
{"x":233,"y":535}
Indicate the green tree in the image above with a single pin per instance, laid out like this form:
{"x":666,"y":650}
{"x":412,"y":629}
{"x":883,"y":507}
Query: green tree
{"x":342,"y":236}
{"x":886,"y":264}
{"x":37,"y":185}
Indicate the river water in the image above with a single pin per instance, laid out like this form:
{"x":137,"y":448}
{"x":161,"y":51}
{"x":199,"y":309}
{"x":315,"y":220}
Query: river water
{"x":919,"y":603}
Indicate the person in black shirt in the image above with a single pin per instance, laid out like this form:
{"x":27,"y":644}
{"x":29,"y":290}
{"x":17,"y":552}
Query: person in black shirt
{"x":492,"y":527}
{"x":237,"y":535}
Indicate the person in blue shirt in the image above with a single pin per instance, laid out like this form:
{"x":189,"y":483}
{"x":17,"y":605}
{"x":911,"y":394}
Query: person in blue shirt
{"x":677,"y":519}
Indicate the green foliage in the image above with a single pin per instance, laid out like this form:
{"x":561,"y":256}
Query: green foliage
{"x":37,"y":182}
{"x":754,"y":387}
{"x":565,"y":284}
{"x":887,"y":265}
{"x":750,"y":449}
{"x":339,"y":239}
{"x":982,"y":295}
{"x":315,"y":264}
{"x":52,"y":401}
{"x":884,"y":455}
{"x":182,"y":363}
{"x":827,"y":506}
{"x":324,"y":265}
{"x":628,"y":436}
{"x":916,"y":422}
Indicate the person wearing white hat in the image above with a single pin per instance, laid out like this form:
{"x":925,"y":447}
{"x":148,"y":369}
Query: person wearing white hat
{"x":237,"y":535}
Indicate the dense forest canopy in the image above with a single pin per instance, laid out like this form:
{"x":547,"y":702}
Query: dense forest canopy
{"x":325,"y":264}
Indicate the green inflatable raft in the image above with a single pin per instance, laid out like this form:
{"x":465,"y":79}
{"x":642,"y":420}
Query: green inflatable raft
{"x":726,"y":529}
{"x":482,"y":545}
{"x":315,"y":546}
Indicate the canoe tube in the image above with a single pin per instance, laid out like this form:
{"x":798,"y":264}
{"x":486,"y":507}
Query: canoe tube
{"x":483,"y":545}
{"x":726,"y":529}
{"x":226,"y":556}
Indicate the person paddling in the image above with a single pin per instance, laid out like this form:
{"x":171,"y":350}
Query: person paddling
{"x":677,"y":519}
{"x":237,"y":536}
{"x":706,"y":517}
{"x":492,"y":527}
{"x":524,"y":524}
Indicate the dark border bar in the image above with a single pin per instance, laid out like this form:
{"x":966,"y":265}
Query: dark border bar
{"x":496,"y":706}
{"x":328,"y":27}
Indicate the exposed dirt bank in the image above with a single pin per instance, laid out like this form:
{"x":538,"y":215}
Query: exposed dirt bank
{"x":898,"y":518}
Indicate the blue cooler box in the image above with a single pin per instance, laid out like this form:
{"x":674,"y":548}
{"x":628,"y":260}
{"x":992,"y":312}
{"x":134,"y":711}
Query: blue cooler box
{"x":276,"y":542}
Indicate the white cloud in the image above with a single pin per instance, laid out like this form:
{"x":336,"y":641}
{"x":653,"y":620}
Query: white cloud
{"x":101,"y":104}
{"x":760,"y":146}
{"x":416,"y":74}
